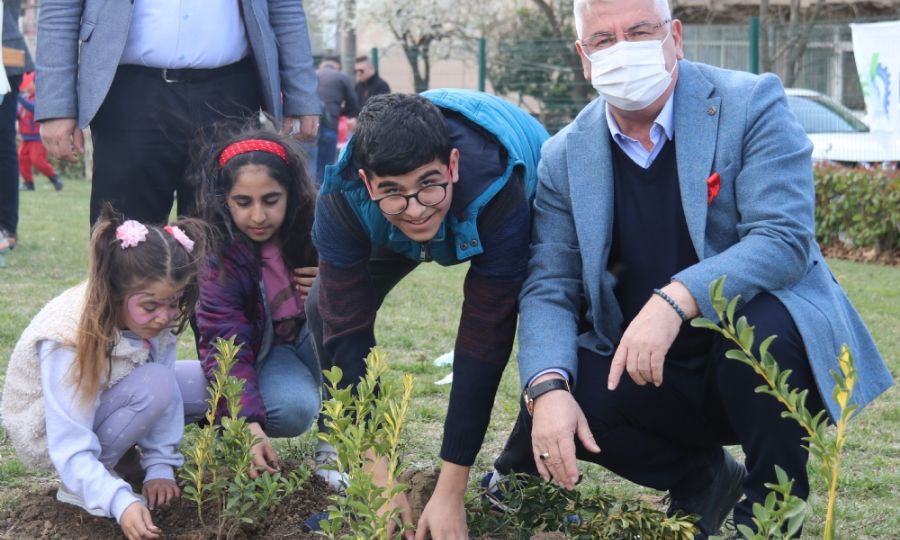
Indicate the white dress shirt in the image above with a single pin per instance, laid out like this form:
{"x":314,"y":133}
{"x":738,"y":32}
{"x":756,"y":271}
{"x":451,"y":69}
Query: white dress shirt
{"x":185,"y":34}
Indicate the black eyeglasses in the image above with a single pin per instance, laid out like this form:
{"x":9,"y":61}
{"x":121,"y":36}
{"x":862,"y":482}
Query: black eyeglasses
{"x":605,"y":40}
{"x":427,"y":196}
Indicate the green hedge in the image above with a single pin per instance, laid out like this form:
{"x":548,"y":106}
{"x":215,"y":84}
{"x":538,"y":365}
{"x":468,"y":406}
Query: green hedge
{"x":859,"y":207}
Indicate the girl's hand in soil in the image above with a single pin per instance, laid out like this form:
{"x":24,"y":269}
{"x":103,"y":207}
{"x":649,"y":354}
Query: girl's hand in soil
{"x":136,"y":523}
{"x":160,"y":491}
{"x":264,"y":457}
{"x":304,"y":277}
{"x":445,"y":514}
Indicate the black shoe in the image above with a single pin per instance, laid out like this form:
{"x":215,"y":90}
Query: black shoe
{"x":27,"y":186}
{"x":56,"y":181}
{"x":716,"y":501}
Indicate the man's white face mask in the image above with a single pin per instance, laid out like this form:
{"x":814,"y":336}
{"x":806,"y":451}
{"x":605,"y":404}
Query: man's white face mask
{"x":631,"y":75}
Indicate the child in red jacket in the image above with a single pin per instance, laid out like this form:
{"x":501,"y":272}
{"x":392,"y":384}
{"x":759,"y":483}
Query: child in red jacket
{"x":32,"y":152}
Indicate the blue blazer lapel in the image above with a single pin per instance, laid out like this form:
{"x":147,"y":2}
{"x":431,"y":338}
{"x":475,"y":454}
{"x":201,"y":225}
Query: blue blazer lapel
{"x":696,"y":131}
{"x":590,"y":175}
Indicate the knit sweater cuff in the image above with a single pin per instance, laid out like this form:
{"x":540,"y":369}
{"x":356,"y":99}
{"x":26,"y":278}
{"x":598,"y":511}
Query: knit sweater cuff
{"x":160,"y":471}
{"x":469,"y":411}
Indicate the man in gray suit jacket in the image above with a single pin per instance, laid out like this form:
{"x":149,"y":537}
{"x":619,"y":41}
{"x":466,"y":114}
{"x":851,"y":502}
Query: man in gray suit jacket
{"x":147,"y":76}
{"x":629,"y":230}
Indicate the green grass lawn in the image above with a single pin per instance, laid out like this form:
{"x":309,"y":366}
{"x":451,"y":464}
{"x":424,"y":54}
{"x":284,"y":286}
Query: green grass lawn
{"x":418,"y":322}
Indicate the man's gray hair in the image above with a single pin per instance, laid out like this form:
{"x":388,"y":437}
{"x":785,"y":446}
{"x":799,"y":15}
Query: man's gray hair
{"x":580,"y":6}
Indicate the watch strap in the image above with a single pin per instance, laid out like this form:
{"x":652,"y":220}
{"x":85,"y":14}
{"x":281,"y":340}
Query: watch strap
{"x":535,"y":391}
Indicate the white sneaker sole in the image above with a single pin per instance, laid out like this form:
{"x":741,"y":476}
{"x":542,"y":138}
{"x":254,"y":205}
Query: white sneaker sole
{"x":65,"y":496}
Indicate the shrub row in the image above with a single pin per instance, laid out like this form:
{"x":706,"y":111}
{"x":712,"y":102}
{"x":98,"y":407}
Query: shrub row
{"x":860,"y":207}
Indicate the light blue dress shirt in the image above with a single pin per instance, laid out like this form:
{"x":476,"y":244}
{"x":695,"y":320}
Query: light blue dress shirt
{"x":664,"y":125}
{"x":185,"y":34}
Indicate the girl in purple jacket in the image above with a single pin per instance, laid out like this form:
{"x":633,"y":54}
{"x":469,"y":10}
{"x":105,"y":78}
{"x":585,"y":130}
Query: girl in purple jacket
{"x":258,"y":199}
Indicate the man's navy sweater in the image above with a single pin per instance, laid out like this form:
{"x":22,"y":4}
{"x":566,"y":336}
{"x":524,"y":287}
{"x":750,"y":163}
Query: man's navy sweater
{"x":651,"y":242}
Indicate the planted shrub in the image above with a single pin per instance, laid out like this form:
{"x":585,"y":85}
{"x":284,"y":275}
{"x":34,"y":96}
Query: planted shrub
{"x":783,"y":512}
{"x":363,"y":426}
{"x":369,"y":423}
{"x":216,"y":469}
{"x":538,"y":506}
{"x":859,"y":207}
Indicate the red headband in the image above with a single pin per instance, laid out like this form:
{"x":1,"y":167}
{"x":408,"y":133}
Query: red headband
{"x":251,"y":145}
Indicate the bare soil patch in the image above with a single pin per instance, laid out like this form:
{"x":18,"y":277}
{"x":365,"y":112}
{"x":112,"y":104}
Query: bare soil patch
{"x":38,"y":515}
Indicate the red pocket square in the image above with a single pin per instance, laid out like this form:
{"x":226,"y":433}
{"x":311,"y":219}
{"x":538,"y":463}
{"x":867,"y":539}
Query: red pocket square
{"x":712,"y":187}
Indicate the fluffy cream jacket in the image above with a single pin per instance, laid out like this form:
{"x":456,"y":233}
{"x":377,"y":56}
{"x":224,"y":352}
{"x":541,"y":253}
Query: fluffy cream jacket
{"x":23,"y":402}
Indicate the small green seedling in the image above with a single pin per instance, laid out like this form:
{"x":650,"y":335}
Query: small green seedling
{"x":778,"y":516}
{"x":364,"y":425}
{"x":216,"y":469}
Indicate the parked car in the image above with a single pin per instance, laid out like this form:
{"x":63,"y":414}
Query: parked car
{"x":838,"y":136}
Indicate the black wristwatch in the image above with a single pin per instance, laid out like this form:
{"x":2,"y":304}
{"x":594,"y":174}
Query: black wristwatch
{"x":534,"y":391}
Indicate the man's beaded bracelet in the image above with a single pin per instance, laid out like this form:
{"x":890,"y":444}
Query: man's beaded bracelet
{"x":672,"y":303}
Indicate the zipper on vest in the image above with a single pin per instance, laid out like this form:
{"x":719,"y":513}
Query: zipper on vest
{"x":423,"y":252}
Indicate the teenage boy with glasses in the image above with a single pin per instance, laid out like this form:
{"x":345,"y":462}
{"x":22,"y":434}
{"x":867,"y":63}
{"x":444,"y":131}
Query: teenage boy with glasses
{"x":446,"y":176}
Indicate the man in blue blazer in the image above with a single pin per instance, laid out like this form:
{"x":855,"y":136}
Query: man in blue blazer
{"x":682,"y":173}
{"x":146,"y":76}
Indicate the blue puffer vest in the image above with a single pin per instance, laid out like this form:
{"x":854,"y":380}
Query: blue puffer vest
{"x":457,"y":240}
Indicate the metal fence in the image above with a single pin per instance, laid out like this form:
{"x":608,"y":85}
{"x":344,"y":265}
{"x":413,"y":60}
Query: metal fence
{"x":827,"y":65}
{"x":545,"y":76}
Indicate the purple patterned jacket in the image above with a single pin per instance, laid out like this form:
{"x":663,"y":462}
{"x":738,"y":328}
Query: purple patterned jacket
{"x":232,"y":303}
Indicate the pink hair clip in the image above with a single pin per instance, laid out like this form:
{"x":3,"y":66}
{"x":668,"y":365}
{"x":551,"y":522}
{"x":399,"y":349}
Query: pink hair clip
{"x":179,"y":236}
{"x":131,"y":233}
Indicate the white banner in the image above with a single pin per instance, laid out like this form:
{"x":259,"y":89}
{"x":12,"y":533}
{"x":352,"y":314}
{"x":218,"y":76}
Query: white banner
{"x":878,"y":64}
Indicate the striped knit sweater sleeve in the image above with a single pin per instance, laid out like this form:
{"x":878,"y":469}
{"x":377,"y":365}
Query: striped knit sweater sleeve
{"x":487,"y":325}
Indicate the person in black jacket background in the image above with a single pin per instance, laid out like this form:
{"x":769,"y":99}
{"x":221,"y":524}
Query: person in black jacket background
{"x":338,"y":99}
{"x":368,"y":83}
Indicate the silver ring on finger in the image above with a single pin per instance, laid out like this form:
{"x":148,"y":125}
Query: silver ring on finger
{"x":544,"y":456}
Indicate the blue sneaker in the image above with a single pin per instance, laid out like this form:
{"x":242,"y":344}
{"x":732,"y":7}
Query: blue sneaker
{"x":314,"y":522}
{"x":492,"y":493}
{"x":496,"y":485}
